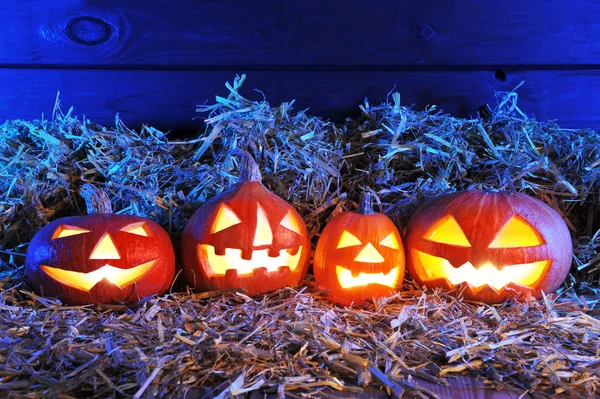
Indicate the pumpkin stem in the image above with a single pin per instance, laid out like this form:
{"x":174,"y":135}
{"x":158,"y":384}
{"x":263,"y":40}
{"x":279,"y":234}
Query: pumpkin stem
{"x":96,"y":200}
{"x":366,"y":203}
{"x":250,"y":171}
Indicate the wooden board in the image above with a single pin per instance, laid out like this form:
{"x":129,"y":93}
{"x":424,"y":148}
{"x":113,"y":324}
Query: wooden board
{"x":312,"y":34}
{"x":168,"y":99}
{"x":154,"y":63}
{"x":462,"y":387}
{"x":465,"y":387}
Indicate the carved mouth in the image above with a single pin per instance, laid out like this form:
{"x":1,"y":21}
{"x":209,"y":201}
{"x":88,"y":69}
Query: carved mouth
{"x":232,"y":260}
{"x":87,"y":281}
{"x":347,"y":280}
{"x":439,"y":268}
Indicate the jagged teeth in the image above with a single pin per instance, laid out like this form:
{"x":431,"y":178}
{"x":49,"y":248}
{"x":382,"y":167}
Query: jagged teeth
{"x":523,"y":274}
{"x":347,"y":279}
{"x":232,"y":260}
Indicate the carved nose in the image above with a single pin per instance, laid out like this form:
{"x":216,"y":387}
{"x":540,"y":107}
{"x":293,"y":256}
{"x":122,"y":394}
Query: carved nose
{"x":263,"y":234}
{"x":105,"y":249}
{"x":369,"y":255}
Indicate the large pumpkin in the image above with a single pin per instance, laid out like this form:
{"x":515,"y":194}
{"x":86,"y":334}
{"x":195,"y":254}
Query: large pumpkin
{"x":359,"y":256}
{"x":100,"y":258}
{"x":246,"y":237}
{"x":498,"y":244}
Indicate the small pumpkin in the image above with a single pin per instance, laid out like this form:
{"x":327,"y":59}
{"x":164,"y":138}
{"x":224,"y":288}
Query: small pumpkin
{"x":100,"y":258}
{"x":359,"y":256}
{"x":246,"y":237}
{"x":496,"y":244}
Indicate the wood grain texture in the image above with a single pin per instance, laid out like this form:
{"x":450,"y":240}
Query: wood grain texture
{"x":465,"y":387}
{"x":228,"y":34}
{"x":168,"y":99}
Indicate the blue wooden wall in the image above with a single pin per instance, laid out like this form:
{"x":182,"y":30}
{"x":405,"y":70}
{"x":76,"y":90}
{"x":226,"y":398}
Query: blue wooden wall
{"x":154,"y":61}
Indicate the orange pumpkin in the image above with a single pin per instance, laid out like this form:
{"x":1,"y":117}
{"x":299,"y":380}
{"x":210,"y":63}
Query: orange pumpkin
{"x":497,"y":244}
{"x":359,"y":256}
{"x":100,"y":258}
{"x":246,"y":237}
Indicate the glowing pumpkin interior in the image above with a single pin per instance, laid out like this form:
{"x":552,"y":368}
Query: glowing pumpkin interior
{"x":517,"y":233}
{"x":368,"y":254}
{"x":263,"y":236}
{"x":105,"y":249}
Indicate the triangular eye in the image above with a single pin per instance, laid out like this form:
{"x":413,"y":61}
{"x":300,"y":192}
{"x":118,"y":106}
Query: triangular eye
{"x":66,"y":231}
{"x":225,"y":219}
{"x":516,"y":234}
{"x":291,"y":223}
{"x":449,"y":232}
{"x":390,"y":241}
{"x":138,"y":229}
{"x":348,"y":240}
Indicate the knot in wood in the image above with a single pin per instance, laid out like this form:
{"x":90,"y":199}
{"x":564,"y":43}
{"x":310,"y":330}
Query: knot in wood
{"x":88,"y":30}
{"x":424,"y":31}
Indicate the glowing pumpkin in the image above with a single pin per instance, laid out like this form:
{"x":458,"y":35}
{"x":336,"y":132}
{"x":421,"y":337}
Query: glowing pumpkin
{"x":359,"y":256}
{"x":497,"y":244}
{"x":246,"y":237}
{"x":100,"y":258}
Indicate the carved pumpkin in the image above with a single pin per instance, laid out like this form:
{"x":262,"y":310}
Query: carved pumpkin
{"x":497,"y":244}
{"x":100,"y":258}
{"x":246,"y":237}
{"x":359,"y":256}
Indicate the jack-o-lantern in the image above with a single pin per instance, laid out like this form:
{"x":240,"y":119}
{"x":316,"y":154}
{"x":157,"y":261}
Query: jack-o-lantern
{"x":359,"y":256}
{"x":497,"y":244}
{"x":100,"y":258}
{"x":246,"y":237}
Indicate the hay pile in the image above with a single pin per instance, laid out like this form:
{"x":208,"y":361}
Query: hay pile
{"x":293,"y":342}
